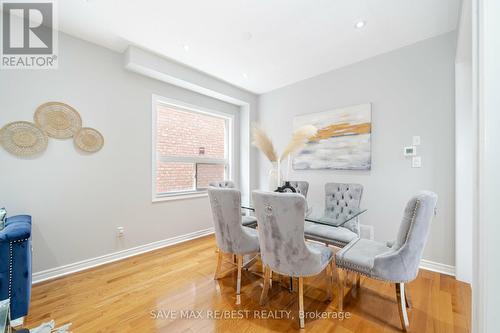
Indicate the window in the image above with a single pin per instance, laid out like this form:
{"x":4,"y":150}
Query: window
{"x":191,"y":148}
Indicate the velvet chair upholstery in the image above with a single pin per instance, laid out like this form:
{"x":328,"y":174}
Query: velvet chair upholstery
{"x":301,"y":186}
{"x":398,"y":261}
{"x":340,"y":199}
{"x":246,"y":220}
{"x":283,"y":248}
{"x":249,"y":221}
{"x":15,"y":264}
{"x":222,"y":184}
{"x":231,"y":236}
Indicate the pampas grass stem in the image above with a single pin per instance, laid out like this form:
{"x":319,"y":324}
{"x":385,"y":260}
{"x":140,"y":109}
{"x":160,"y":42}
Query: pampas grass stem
{"x":263,"y":143}
{"x":299,"y":139}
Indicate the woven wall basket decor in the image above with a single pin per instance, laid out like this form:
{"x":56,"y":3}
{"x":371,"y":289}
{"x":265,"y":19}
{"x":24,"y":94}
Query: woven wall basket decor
{"x":59,"y":120}
{"x":23,"y":138}
{"x":89,"y":140}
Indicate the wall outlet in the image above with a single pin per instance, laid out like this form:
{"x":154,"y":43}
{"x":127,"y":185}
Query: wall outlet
{"x":120,"y":231}
{"x":416,"y":162}
{"x":367,"y":231}
{"x":416,"y":140}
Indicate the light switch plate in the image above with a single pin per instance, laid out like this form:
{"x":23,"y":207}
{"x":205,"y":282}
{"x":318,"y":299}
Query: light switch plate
{"x":416,"y":162}
{"x":416,"y":140}
{"x":410,"y":151}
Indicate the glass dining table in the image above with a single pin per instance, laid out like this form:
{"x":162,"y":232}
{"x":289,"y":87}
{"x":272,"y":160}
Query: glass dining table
{"x":4,"y":316}
{"x":318,"y":216}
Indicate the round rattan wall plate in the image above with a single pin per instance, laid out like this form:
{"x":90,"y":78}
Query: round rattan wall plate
{"x":59,"y":120}
{"x":89,"y":140}
{"x":23,"y":138}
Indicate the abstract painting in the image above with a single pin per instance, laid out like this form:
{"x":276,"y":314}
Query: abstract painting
{"x":343,"y":141}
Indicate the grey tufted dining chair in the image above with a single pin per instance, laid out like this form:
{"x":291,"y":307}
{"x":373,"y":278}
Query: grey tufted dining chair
{"x":283,"y":247}
{"x":222,"y":184}
{"x":246,"y":220}
{"x":231,"y":236}
{"x":301,"y":186}
{"x":397,"y":262}
{"x":339,"y":200}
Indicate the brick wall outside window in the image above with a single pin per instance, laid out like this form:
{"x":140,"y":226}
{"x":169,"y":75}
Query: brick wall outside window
{"x":183,"y":133}
{"x":208,"y":173}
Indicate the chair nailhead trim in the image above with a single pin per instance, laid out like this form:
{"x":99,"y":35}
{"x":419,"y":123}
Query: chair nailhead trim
{"x":412,"y":223}
{"x":371,"y":276}
{"x":10,"y":269}
{"x":11,"y":262}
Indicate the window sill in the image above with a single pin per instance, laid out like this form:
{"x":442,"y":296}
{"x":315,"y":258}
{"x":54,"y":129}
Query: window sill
{"x":180,"y":196}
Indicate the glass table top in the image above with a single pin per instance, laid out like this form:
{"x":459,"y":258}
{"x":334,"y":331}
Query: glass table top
{"x":334,"y":219}
{"x":4,"y":316}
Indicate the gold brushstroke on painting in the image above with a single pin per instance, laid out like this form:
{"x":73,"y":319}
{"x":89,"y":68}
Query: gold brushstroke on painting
{"x":341,"y":130}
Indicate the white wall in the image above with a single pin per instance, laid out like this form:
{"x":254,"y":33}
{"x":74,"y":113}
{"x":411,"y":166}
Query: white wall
{"x":486,"y":288}
{"x":464,"y":171}
{"x":412,"y":93}
{"x":77,"y":201}
{"x":465,"y":150}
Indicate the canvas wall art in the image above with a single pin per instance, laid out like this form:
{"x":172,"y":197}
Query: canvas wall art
{"x":343,"y":141}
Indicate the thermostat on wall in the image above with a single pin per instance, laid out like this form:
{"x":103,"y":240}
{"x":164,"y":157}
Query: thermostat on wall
{"x":410,"y":151}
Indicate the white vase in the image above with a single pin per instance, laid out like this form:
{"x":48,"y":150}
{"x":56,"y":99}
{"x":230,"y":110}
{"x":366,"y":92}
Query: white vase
{"x":275,"y":176}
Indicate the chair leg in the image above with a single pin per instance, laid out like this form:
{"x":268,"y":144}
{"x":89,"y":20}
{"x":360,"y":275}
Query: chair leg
{"x":249,"y":263}
{"x":407,"y":299}
{"x":265,"y":289}
{"x":219,"y":264}
{"x":301,"y":302}
{"x":401,"y":299}
{"x":239,"y":259}
{"x":356,"y":284}
{"x":341,"y":286}
{"x":329,"y":277}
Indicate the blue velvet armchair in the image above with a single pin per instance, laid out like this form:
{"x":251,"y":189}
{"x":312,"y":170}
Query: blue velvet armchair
{"x":15,"y":264}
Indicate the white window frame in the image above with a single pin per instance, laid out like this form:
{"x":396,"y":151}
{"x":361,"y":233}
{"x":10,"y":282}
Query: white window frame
{"x":228,"y":143}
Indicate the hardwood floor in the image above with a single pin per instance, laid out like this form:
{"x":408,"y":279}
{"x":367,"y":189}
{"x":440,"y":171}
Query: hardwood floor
{"x":136,"y":295}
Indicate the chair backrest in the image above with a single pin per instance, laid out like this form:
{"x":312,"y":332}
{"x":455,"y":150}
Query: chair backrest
{"x":402,"y":263}
{"x":340,"y":198}
{"x":222,"y":184}
{"x":229,"y":232}
{"x":302,"y":187}
{"x":414,"y":228}
{"x":280,"y":217}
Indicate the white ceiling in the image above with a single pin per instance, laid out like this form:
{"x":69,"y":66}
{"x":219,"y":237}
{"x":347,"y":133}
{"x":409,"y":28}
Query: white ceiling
{"x":259,"y":45}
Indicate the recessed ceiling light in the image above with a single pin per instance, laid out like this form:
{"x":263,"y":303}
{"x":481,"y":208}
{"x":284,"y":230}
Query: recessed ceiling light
{"x":245,"y":76}
{"x":186,"y":47}
{"x":360,"y":24}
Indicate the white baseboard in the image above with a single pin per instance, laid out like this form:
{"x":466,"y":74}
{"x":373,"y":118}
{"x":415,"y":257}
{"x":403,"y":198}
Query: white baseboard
{"x":437,"y":267}
{"x":56,"y":272}
{"x":115,"y":256}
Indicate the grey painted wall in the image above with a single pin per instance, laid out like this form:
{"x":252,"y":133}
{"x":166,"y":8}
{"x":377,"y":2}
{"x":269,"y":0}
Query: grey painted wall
{"x":412,"y":93}
{"x":77,"y":201}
